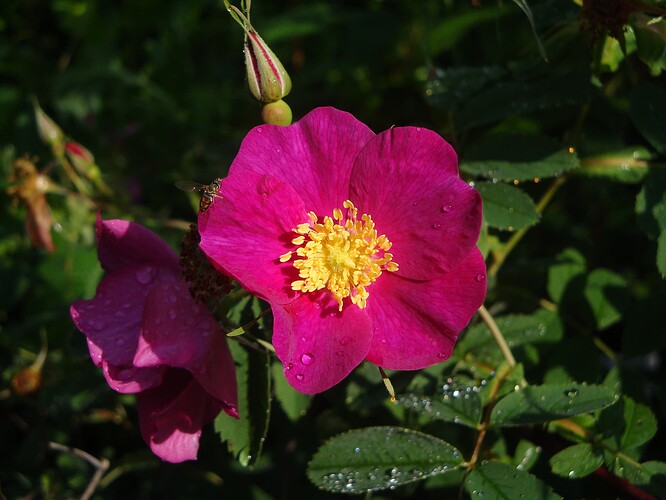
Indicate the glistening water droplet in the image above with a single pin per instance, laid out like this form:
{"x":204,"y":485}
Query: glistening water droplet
{"x":480,"y":277}
{"x":299,"y":377}
{"x":446,"y":208}
{"x":307,"y":359}
{"x":145,"y":276}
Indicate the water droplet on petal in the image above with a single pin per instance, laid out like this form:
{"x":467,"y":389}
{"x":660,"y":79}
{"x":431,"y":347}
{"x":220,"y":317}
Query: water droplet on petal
{"x":172,"y":314}
{"x":307,"y":359}
{"x":480,"y":277}
{"x":299,"y":376}
{"x":436,"y":225}
{"x":446,"y":209}
{"x":289,"y":366}
{"x":145,"y":275}
{"x":346,"y":340}
{"x":416,"y":203}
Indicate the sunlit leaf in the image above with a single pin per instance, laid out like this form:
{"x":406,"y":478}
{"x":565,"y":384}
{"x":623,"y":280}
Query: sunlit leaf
{"x":245,"y":436}
{"x":537,"y":404}
{"x":377,"y":458}
{"x":507,"y":207}
{"x":577,"y":461}
{"x":496,"y":480}
{"x":294,"y":403}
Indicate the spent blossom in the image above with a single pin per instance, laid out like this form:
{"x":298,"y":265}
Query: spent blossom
{"x":150,"y":337}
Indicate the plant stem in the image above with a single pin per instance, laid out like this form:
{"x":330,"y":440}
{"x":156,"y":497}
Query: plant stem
{"x":101,"y":466}
{"x":497,"y":335}
{"x":500,"y":256}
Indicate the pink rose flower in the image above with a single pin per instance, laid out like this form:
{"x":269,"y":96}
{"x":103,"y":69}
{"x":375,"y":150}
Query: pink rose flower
{"x":152,"y":338}
{"x":364,"y":245}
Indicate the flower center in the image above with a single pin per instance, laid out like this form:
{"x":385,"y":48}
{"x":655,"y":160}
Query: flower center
{"x":344,"y":255}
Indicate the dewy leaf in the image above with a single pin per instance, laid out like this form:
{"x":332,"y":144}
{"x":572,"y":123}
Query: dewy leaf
{"x":459,"y":403}
{"x":526,"y":455}
{"x":245,"y":436}
{"x":628,"y":165}
{"x":377,"y":458}
{"x":628,"y":425}
{"x":496,"y":480}
{"x":507,"y":207}
{"x":294,"y":403}
{"x":577,"y":461}
{"x":650,"y":476}
{"x":549,"y":166}
{"x":445,"y":89}
{"x":648,"y":112}
{"x":538,"y":404}
{"x":518,"y":329}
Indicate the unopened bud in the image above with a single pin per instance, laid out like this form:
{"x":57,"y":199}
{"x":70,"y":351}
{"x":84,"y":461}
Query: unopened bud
{"x":48,"y":131}
{"x":276,"y":113}
{"x":82,"y":159}
{"x":266,"y":77}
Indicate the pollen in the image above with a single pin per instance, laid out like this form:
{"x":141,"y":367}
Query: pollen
{"x":343,"y":254}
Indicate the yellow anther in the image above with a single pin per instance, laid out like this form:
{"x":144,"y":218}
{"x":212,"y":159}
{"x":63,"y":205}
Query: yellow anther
{"x":343,"y":255}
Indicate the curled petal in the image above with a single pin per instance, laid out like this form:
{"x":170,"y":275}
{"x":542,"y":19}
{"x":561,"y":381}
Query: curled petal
{"x":172,"y":414}
{"x":122,"y":243}
{"x":178,"y":332}
{"x":415,"y":324}
{"x":407,"y":180}
{"x":314,"y":155}
{"x":318,"y":345}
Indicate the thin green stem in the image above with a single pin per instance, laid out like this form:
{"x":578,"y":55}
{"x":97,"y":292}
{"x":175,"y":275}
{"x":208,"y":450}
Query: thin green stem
{"x":500,"y":256}
{"x":497,"y":335}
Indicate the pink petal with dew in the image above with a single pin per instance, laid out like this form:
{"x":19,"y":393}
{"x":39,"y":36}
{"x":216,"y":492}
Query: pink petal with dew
{"x":318,"y":345}
{"x":171,"y":416}
{"x":245,"y":233}
{"x":416,"y":323}
{"x":131,"y":379}
{"x":111,"y":320}
{"x":178,"y":332}
{"x":314,"y":155}
{"x":407,"y":180}
{"x":121,"y":243}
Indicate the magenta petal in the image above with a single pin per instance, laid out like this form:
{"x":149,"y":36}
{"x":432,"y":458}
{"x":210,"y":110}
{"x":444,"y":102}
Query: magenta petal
{"x":122,"y":243}
{"x":179,"y":332}
{"x":416,"y":324}
{"x":171,"y":416}
{"x":314,"y":155}
{"x":407,"y":180}
{"x":318,"y":345}
{"x":112,"y":319}
{"x":249,"y":229}
{"x":130,"y":379}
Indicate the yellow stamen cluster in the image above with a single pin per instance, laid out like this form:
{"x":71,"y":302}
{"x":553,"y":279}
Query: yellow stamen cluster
{"x":343,"y":255}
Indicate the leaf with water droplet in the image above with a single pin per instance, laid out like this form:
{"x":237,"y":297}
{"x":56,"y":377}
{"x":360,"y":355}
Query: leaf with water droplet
{"x":526,"y":455}
{"x":496,"y":480}
{"x":577,"y":461}
{"x":627,"y":425}
{"x":245,"y":436}
{"x":387,"y":457}
{"x":543,"y":403}
{"x":294,"y":403}
{"x":507,"y":206}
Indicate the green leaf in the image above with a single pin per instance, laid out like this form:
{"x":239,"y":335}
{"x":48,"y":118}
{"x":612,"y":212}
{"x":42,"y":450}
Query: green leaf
{"x":528,"y":13}
{"x":459,"y":403}
{"x":377,"y":458}
{"x":651,"y":212}
{"x":294,"y":403}
{"x":550,"y":166}
{"x":526,"y":455}
{"x":538,"y":404}
{"x":648,"y":112}
{"x":607,"y":295}
{"x":569,"y":264}
{"x":577,"y":461}
{"x":245,"y":436}
{"x":507,"y":207}
{"x":649,"y":475}
{"x":629,"y":165}
{"x":518,"y":329}
{"x":446,"y":89}
{"x":627,"y":425}
{"x":510,"y":99}
{"x":496,"y":480}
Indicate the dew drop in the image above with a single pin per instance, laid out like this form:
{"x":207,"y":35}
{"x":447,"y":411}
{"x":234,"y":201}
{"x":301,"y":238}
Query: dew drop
{"x":436,"y":225}
{"x":346,"y":341}
{"x":446,"y":209}
{"x":572,"y":393}
{"x":127,"y":305}
{"x":572,"y":474}
{"x":299,"y":377}
{"x":307,"y":359}
{"x":289,"y":366}
{"x":416,"y":203}
{"x":172,"y":314}
{"x":480,"y":277}
{"x":145,"y":275}
{"x":418,"y":129}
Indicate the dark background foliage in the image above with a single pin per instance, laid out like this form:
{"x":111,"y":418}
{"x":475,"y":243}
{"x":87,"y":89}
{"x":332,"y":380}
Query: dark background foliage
{"x":156,"y":91}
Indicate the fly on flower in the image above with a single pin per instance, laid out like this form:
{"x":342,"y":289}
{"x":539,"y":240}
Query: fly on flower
{"x":209,"y":192}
